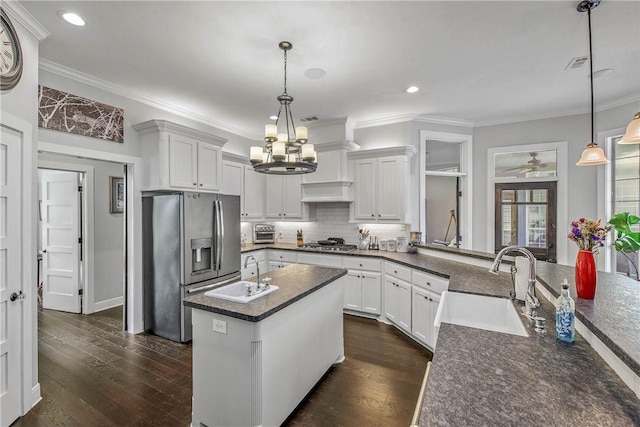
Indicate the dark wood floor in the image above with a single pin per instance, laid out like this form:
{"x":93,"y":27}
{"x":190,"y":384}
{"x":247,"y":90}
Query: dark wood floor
{"x":93,"y":374}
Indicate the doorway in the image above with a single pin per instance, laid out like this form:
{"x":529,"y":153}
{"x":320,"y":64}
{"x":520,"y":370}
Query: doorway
{"x":441,"y":207}
{"x":100,"y":244}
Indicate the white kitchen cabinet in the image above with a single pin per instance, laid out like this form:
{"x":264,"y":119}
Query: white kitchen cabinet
{"x":284,"y":197}
{"x":423,"y":313}
{"x":279,"y":259}
{"x":397,"y":302}
{"x":175,"y":157}
{"x":363,"y":287}
{"x":242,"y":180}
{"x":362,"y":291}
{"x":253,"y":197}
{"x":381,"y":182}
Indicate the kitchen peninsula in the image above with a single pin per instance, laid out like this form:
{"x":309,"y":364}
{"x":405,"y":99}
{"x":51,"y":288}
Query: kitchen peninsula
{"x":253,"y":363}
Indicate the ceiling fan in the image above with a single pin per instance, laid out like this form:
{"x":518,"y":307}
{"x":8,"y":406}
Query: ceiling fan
{"x":533,"y":165}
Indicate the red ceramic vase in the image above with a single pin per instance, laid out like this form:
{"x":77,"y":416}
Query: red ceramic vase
{"x":586,"y":275}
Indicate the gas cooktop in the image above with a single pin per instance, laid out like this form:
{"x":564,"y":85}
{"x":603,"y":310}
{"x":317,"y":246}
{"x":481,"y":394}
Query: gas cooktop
{"x":330,"y":245}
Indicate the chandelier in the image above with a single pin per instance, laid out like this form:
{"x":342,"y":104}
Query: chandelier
{"x":286,"y":153}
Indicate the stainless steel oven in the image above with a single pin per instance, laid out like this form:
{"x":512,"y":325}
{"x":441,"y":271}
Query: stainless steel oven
{"x":264,"y":233}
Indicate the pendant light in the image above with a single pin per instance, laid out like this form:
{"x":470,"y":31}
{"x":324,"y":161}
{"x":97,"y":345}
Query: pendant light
{"x":593,"y":154}
{"x":632,"y":135}
{"x":287,"y":152}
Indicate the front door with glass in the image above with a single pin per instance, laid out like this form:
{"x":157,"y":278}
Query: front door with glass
{"x":525,"y":215}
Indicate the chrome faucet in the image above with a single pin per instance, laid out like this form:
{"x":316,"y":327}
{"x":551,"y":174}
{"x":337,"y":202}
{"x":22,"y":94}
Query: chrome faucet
{"x":531,"y":301}
{"x":246,"y":262}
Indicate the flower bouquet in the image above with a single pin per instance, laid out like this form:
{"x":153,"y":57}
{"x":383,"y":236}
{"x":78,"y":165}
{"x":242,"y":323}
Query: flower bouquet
{"x":589,"y":236}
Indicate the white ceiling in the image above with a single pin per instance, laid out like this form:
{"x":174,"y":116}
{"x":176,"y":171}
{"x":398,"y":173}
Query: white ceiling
{"x":481,"y":62}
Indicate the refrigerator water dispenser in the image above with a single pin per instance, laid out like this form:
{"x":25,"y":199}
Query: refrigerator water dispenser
{"x":201,"y":258}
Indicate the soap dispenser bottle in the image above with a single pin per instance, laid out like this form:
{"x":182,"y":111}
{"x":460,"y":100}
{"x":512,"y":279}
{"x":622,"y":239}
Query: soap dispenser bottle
{"x":565,"y":315}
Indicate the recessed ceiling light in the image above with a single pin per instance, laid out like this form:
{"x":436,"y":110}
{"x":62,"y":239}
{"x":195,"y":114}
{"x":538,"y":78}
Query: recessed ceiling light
{"x":602,"y":73}
{"x":72,"y":18}
{"x":315,"y":73}
{"x":273,"y":117}
{"x":412,"y":89}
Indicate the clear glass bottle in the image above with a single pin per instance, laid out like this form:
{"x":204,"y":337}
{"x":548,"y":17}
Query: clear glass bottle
{"x":565,"y":315}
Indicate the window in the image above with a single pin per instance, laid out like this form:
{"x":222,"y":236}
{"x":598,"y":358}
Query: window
{"x":626,"y":191}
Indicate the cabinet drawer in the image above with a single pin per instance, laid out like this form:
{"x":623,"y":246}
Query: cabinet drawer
{"x":319,"y":259}
{"x":398,"y":271}
{"x":359,"y":263}
{"x":286,"y":256}
{"x":429,"y":281}
{"x":258,"y":255}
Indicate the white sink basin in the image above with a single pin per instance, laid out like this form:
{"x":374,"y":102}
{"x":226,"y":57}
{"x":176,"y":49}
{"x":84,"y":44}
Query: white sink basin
{"x":481,"y":312}
{"x":237,"y":292}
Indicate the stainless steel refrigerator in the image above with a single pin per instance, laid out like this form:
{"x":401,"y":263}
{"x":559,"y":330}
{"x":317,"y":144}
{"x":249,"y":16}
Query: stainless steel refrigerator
{"x":191,"y":243}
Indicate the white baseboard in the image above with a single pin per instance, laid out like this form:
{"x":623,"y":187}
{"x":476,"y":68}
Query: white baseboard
{"x":107,"y":304}
{"x":35,"y":396}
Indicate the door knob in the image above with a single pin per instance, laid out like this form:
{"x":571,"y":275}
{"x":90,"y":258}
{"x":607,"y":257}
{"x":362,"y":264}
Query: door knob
{"x":17,"y":296}
{"x":44,"y":251}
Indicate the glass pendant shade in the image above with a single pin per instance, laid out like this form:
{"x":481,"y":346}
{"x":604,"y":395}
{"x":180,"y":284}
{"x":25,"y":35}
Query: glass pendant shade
{"x":592,"y":155}
{"x":632,"y":135}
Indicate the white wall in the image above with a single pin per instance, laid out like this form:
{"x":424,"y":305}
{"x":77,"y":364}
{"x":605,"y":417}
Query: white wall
{"x":584,"y":198}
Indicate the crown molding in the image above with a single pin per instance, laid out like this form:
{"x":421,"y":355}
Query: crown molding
{"x":326,"y":122}
{"x":401,"y":150}
{"x":338,"y":145}
{"x":443,"y":121}
{"x":19,"y":14}
{"x":236,"y":158}
{"x":384,"y":121}
{"x":604,"y":106}
{"x":72,"y":74}
{"x":151,"y":126}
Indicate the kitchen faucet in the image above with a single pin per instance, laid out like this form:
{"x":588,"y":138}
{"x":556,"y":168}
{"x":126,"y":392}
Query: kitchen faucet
{"x":246,"y":262}
{"x":531,"y":301}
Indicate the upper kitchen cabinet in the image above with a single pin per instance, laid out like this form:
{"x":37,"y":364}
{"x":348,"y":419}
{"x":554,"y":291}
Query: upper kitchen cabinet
{"x":175,"y":157}
{"x":283,"y":197}
{"x":381,"y":181}
{"x":239,"y":178}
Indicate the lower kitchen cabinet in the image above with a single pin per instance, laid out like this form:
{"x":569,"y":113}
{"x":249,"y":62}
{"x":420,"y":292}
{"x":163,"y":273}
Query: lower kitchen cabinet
{"x":362,"y":291}
{"x":423,"y":313}
{"x":397,"y":302}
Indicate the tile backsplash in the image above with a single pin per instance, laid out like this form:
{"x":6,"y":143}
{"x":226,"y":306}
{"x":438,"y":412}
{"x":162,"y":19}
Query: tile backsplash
{"x":332,"y":220}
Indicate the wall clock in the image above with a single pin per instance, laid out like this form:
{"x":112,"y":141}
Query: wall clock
{"x":10,"y":54}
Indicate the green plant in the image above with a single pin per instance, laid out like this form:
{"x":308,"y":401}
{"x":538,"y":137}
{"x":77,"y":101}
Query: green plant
{"x":627,"y":240}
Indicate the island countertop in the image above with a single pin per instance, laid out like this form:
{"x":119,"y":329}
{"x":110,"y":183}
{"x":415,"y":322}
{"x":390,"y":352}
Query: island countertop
{"x":487,"y":378}
{"x":295,"y":282}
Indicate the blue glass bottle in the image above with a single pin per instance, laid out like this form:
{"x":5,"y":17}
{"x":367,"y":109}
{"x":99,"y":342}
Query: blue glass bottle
{"x":565,"y":315}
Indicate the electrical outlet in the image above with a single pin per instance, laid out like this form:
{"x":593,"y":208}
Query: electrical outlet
{"x":219,"y":326}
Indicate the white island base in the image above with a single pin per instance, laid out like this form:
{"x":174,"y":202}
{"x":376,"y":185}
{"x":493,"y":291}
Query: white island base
{"x":256,"y":373}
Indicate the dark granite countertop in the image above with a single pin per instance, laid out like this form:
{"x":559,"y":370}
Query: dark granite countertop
{"x":295,"y":282}
{"x":487,"y":378}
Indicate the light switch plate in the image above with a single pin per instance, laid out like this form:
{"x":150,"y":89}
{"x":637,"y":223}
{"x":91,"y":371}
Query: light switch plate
{"x":219,"y":326}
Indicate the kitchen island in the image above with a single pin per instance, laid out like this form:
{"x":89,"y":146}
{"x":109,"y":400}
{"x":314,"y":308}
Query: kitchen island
{"x":253,"y":363}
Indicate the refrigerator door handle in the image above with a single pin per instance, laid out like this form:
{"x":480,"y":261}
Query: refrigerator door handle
{"x":220,"y":233}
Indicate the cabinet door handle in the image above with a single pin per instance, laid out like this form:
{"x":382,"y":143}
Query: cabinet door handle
{"x":284,"y":214}
{"x":428,"y":283}
{"x":200,"y":185}
{"x":195,"y":183}
{"x":372,"y":215}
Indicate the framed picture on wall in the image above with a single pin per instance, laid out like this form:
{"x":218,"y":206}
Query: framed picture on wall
{"x":116,"y":194}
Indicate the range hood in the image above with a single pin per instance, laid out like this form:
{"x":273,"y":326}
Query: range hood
{"x":331,"y":191}
{"x":330,"y":182}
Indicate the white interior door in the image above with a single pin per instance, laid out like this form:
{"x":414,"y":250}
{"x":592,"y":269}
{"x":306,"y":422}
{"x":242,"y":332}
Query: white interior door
{"x":10,"y":277}
{"x":61,"y":250}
